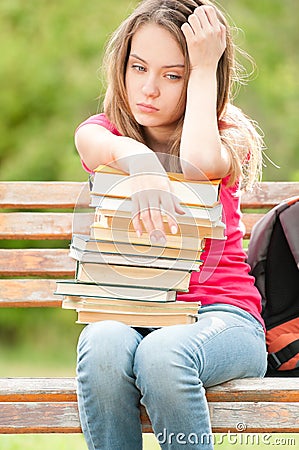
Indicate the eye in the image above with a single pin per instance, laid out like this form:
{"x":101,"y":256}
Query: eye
{"x":172,"y":76}
{"x":138,"y":67}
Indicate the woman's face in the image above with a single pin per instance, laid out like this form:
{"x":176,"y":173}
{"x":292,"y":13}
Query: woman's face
{"x":155,"y":78}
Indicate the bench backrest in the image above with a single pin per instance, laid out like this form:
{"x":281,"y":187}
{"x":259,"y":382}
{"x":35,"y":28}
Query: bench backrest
{"x":41,"y":213}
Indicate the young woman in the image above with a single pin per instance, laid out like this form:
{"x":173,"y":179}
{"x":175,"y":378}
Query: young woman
{"x":170,"y":69}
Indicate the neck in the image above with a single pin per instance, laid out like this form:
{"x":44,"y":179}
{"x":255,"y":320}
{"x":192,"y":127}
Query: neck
{"x":158,"y":139}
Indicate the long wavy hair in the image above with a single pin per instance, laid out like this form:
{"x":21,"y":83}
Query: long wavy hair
{"x":237,"y":132}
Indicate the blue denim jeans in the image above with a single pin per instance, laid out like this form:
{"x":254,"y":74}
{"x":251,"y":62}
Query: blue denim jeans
{"x":167,"y":371}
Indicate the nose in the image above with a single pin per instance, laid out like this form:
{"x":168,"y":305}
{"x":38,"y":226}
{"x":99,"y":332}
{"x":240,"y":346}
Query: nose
{"x":150,"y":87}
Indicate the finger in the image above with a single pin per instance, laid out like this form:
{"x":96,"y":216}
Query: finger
{"x":168,"y":206}
{"x":157,"y":235}
{"x":150,"y":213}
{"x":210,"y":14}
{"x":187,"y":31}
{"x":195,"y":23}
{"x":201,"y":14}
{"x":145,"y":216}
{"x":177,"y":207}
{"x":156,"y":218}
{"x":137,"y":225}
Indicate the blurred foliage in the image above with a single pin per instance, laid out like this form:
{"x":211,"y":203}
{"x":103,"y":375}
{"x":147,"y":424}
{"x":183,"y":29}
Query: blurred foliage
{"x":270,"y":35}
{"x":50,"y":56}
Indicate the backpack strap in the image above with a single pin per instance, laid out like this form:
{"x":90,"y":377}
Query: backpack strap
{"x":275,"y":360}
{"x":290,"y":225}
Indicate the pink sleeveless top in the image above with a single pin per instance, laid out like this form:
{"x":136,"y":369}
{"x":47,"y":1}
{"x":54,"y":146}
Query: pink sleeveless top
{"x":224,"y":276}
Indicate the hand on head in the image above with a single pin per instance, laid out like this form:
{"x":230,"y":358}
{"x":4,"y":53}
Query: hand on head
{"x":205,"y":36}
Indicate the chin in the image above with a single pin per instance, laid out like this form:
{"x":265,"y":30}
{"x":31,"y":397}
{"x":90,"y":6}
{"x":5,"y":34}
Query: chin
{"x":147,"y":121}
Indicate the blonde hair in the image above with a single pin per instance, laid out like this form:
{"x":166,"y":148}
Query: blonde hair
{"x":237,"y":133}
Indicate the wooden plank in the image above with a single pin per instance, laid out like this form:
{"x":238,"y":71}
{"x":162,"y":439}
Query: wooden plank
{"x":62,"y":417}
{"x":254,"y":417}
{"x":269,"y":193}
{"x":38,"y":226}
{"x":40,"y":195}
{"x":50,"y":194}
{"x":43,"y":417}
{"x":61,"y":225}
{"x":38,"y":389}
{"x":32,"y":262}
{"x":270,"y":389}
{"x":249,"y":220}
{"x":28,"y":293}
{"x":276,"y":390}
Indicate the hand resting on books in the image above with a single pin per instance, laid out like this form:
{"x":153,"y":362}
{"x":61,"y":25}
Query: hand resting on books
{"x":152,"y":197}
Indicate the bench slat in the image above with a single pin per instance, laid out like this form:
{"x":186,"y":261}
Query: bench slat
{"x":31,"y":262}
{"x":28,"y":293}
{"x":42,"y":417}
{"x":66,"y":194}
{"x":277,"y":390}
{"x":269,"y":194}
{"x":42,"y":225}
{"x":40,"y":195}
{"x":63,"y":417}
{"x":60,"y":225}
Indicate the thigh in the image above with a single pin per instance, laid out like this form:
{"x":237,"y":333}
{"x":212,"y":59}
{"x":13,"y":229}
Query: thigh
{"x":232,"y":345}
{"x":225,"y":343}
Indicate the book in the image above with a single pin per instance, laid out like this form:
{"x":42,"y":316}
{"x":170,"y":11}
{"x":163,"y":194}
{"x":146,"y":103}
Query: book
{"x":99,"y":291}
{"x":75,"y":302}
{"x":122,"y":222}
{"x":211,"y":213}
{"x":172,"y":241}
{"x":180,"y":219}
{"x":116,"y":183}
{"x":177,"y":280}
{"x":86,"y":243}
{"x":133,"y":260}
{"x":136,"y":319}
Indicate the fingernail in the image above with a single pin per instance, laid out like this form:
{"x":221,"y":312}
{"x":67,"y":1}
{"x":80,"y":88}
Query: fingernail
{"x":162,"y":240}
{"x":138,"y":233}
{"x":174,"y":229}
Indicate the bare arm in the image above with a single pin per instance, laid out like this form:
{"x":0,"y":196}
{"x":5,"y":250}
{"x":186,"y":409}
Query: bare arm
{"x":97,"y":145}
{"x":202,"y":153}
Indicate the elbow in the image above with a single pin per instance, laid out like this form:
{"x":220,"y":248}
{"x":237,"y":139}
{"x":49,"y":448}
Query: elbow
{"x":201,"y":172}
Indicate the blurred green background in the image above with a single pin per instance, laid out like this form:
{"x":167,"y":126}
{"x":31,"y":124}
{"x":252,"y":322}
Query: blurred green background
{"x":50,"y":81}
{"x":50,"y":56}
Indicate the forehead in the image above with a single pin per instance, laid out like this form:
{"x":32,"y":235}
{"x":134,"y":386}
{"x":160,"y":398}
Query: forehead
{"x":154,"y":43}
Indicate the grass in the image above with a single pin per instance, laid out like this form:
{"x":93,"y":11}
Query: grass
{"x":76,"y":442}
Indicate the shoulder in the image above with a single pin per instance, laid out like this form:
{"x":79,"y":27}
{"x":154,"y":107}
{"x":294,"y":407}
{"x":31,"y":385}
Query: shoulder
{"x":238,"y":130}
{"x":235,"y":120}
{"x":102,"y":120}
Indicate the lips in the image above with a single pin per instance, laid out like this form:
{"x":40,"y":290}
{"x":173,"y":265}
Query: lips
{"x":147,"y":108}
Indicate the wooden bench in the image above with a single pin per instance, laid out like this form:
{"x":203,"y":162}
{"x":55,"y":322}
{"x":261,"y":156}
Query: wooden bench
{"x":44,"y":211}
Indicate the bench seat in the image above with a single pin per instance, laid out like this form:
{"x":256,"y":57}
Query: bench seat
{"x":49,"y":405}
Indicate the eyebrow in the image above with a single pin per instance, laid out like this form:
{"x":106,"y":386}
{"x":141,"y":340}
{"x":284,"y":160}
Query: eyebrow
{"x":168,"y":66}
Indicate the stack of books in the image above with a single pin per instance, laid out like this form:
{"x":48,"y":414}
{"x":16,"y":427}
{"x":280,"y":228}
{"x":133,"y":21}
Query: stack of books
{"x":120,"y":276}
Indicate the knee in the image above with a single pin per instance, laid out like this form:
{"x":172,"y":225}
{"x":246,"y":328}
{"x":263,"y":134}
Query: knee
{"x":105,"y":342}
{"x":160,"y":362}
{"x":164,"y":371}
